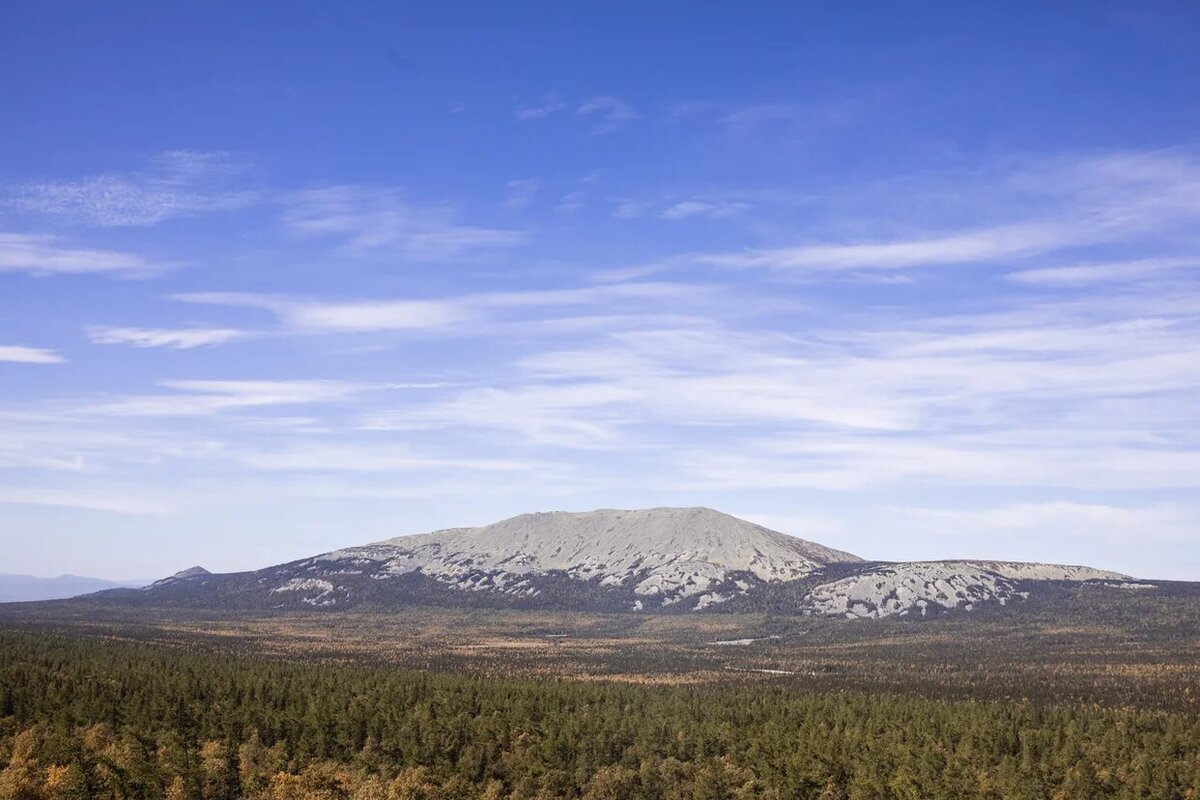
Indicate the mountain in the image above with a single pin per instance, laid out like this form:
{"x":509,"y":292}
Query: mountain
{"x":659,"y":559}
{"x":23,"y":588}
{"x":664,"y":555}
{"x":183,"y":574}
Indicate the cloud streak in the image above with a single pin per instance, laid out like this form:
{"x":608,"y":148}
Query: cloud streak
{"x":108,"y":502}
{"x":19,"y":354}
{"x":521,"y":193}
{"x":177,"y":184}
{"x":207,"y":397}
{"x":443,"y":314}
{"x":686,"y":209}
{"x":368,"y":220}
{"x":1081,"y":275}
{"x":980,"y":246}
{"x":550,"y":105}
{"x":42,"y":255}
{"x":610,"y":113}
{"x":171,"y":338}
{"x":1040,"y":210}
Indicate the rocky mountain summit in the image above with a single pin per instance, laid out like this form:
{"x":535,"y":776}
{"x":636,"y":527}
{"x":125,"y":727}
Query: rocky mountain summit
{"x":183,"y":574}
{"x":659,"y":559}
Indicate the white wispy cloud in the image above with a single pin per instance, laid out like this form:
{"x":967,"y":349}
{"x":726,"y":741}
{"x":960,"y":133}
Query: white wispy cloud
{"x":1081,"y":395}
{"x":760,"y":114}
{"x":713,"y":378}
{"x":789,"y":122}
{"x":1059,"y":362}
{"x":366,"y":219}
{"x":437,"y":314}
{"x":1091,"y":521}
{"x":89,"y":500}
{"x":980,"y":246}
{"x":374,"y":457}
{"x":173,"y":338}
{"x":630,"y":209}
{"x":176,"y":184}
{"x":609,"y":112}
{"x":347,"y":315}
{"x":29,"y":355}
{"x":579,"y":415}
{"x":685,"y":209}
{"x":58,"y":441}
{"x":498,"y":486}
{"x":204,"y":397}
{"x":521,"y":193}
{"x":1110,"y":272}
{"x":65,"y":437}
{"x":43,"y":255}
{"x":846,"y":463}
{"x":551,"y":104}
{"x":571,"y":202}
{"x":1009,"y":215}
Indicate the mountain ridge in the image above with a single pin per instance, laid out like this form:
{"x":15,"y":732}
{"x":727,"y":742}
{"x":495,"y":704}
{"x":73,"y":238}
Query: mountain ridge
{"x":16,"y":588}
{"x":660,"y":559}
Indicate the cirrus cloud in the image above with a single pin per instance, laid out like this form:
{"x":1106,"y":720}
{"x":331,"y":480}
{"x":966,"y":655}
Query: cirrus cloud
{"x":29,"y":355}
{"x":172,"y":338}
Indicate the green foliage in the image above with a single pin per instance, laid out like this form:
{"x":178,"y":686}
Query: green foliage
{"x":118,"y":720}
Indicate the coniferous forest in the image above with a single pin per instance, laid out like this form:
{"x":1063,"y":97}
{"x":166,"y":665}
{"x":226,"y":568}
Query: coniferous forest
{"x":102,"y":719}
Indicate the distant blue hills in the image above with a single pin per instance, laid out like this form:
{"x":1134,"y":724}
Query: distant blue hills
{"x":24,"y":588}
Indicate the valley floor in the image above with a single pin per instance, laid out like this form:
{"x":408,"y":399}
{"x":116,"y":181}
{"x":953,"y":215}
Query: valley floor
{"x":1117,"y":650}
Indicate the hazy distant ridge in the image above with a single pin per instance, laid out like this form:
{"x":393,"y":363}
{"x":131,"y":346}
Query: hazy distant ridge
{"x":26,"y":588}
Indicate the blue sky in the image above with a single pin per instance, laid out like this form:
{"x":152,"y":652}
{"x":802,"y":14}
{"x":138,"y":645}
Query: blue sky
{"x":915,"y":280}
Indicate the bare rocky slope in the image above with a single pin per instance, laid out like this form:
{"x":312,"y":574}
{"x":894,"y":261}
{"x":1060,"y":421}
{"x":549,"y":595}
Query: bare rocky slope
{"x":660,"y":559}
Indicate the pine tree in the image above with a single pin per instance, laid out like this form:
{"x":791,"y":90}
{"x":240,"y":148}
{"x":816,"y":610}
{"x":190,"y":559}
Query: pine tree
{"x":177,"y":789}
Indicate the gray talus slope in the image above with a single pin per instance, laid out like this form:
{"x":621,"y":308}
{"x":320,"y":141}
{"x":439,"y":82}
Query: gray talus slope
{"x":919,"y":587}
